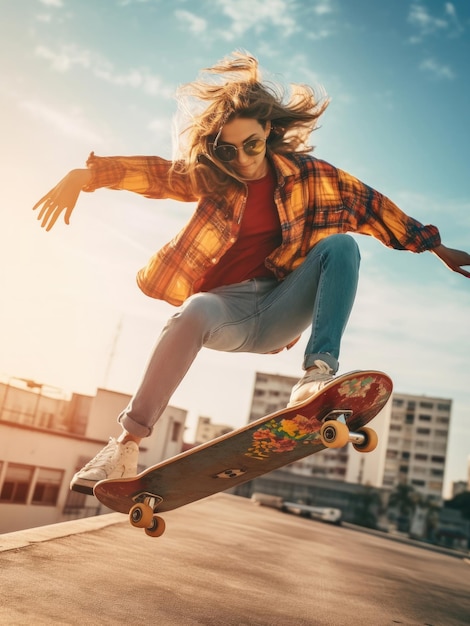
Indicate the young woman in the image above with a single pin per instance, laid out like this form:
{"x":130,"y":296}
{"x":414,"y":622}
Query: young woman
{"x":265,"y":254}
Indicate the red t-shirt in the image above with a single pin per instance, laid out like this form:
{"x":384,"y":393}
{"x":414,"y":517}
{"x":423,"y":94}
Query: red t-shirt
{"x":260,"y":234}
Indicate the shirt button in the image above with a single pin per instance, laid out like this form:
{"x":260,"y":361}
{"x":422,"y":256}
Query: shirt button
{"x":233,"y":239}
{"x":214,"y":260}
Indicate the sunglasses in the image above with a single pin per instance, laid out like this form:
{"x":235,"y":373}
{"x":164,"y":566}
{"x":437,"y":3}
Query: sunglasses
{"x":226,"y":152}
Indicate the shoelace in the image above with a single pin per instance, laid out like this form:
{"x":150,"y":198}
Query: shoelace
{"x":322,"y":373}
{"x":103,"y":456}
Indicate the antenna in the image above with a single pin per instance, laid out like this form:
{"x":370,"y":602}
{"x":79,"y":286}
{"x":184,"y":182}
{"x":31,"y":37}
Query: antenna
{"x":112,"y":353}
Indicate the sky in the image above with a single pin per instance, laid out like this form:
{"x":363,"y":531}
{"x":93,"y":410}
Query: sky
{"x":81,"y":75}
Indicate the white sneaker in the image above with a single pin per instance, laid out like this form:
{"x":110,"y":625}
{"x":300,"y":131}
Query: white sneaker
{"x":116,"y":460}
{"x":314,"y":379}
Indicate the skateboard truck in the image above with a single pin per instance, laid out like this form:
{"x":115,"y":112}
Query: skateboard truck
{"x":142,"y":514}
{"x":335,"y":433}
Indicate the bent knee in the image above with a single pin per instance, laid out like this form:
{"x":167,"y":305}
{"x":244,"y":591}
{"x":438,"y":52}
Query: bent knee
{"x":343,"y":246}
{"x":200,"y":309}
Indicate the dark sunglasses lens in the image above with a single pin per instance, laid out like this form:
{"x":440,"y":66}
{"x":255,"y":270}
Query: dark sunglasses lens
{"x":252,"y":148}
{"x":225,"y":153}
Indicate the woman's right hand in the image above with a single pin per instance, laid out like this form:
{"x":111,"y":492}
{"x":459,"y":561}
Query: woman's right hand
{"x":63,"y":197}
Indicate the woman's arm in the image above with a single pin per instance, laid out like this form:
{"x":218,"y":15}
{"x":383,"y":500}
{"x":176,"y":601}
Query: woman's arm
{"x":62,"y":197}
{"x":454,"y":259}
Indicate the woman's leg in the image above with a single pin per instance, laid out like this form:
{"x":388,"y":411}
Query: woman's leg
{"x":320,"y":293}
{"x":220,"y":319}
{"x":216,"y":319}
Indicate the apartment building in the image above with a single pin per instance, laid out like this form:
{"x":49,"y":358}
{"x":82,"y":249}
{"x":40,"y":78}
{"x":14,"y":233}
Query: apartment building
{"x":45,"y":437}
{"x":417,"y":443}
{"x":412,"y":430}
{"x":206,"y":430}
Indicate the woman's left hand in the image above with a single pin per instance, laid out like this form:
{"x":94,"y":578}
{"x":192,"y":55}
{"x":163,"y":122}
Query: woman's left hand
{"x":454,"y":259}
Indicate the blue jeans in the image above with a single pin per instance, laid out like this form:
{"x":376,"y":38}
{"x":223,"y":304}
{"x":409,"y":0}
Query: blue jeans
{"x":258,"y":315}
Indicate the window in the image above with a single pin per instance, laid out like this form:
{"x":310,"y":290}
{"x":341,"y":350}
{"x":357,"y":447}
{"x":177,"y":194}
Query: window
{"x":422,"y":444}
{"x":25,"y":484}
{"x":16,"y":484}
{"x":426,"y":405}
{"x":423,"y":431}
{"x":175,"y":433}
{"x":47,"y":486}
{"x":424,"y":418}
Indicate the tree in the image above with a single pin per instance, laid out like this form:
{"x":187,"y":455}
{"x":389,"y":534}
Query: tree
{"x":404,"y":498}
{"x":368,"y":505}
{"x":461,"y":502}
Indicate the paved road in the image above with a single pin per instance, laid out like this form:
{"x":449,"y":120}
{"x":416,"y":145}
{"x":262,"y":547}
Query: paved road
{"x":227,"y":562}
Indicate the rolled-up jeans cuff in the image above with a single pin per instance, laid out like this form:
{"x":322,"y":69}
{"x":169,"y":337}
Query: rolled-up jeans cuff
{"x":133,"y":427}
{"x":331,"y":361}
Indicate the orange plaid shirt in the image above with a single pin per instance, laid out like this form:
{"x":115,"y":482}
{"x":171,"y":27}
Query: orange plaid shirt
{"x":313,"y":198}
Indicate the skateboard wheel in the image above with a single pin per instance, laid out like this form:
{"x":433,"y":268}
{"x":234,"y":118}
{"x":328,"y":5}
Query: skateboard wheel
{"x":334,"y":434}
{"x":141,"y":515}
{"x":370,"y":442}
{"x":156,"y":528}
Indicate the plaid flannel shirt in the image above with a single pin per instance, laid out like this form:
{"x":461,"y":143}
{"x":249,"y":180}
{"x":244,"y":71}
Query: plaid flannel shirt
{"x":313,"y":198}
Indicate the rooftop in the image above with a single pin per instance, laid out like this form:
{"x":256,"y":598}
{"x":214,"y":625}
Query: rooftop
{"x":222,"y":560}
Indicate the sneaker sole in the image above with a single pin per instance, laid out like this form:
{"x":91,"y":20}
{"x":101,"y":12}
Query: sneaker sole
{"x":83,"y":486}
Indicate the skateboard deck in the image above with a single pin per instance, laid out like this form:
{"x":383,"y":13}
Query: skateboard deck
{"x":333,"y":417}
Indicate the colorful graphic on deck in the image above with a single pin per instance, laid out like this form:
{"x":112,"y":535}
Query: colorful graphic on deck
{"x":356,"y":388}
{"x":283,"y":436}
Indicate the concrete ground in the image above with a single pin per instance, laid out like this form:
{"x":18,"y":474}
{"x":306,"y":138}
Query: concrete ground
{"x":224,"y":561}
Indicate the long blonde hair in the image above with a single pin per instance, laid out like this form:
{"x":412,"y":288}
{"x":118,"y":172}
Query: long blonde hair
{"x":208,"y":103}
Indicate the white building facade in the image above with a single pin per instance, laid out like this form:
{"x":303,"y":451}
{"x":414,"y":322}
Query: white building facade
{"x":417,"y":443}
{"x":206,"y":430}
{"x":45,"y":438}
{"x":412,"y":431}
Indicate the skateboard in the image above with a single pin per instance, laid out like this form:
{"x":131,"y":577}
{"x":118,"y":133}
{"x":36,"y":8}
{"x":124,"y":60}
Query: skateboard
{"x":331,"y":418}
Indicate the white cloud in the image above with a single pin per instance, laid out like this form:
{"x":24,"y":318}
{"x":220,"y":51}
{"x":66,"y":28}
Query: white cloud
{"x":256,"y":15}
{"x":68,"y":57}
{"x":318,"y":35}
{"x":65,"y":58}
{"x":69,"y":124}
{"x":136,"y":78}
{"x":323,"y":7}
{"x":427,"y":24}
{"x":438,"y":70}
{"x":197,"y":25}
{"x":58,"y":4}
